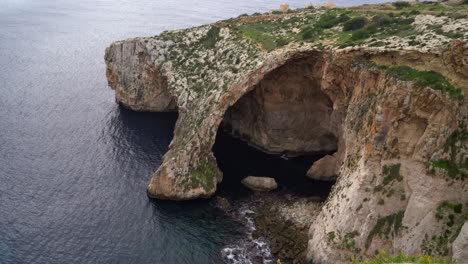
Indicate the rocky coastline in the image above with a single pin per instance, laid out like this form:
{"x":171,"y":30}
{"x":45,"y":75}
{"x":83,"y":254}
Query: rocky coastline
{"x":281,"y":219}
{"x":379,"y":87}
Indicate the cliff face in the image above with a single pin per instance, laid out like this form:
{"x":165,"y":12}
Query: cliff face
{"x":390,"y":194}
{"x":138,"y":84}
{"x":397,"y":142}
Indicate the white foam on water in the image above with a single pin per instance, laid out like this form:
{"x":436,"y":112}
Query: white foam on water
{"x":248,"y":250}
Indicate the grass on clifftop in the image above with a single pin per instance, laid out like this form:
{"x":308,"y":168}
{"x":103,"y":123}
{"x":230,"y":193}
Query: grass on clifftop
{"x":431,"y":79}
{"x":342,"y":27}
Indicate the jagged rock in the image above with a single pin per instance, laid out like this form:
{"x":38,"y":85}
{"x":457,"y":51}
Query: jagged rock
{"x":460,"y":245}
{"x":260,"y":184}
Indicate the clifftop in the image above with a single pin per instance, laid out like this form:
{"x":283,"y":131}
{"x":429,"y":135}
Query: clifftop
{"x":382,"y":86}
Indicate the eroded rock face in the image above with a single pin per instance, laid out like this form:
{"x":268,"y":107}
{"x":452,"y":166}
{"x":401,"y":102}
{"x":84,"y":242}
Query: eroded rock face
{"x":138,"y":84}
{"x":394,"y":140}
{"x":392,"y":130}
{"x":286,"y":112}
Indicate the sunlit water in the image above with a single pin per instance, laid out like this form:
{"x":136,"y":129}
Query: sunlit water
{"x":73,"y":165}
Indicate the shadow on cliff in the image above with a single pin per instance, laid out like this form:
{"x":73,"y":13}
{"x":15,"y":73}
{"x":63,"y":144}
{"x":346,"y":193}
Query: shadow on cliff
{"x":141,"y":135}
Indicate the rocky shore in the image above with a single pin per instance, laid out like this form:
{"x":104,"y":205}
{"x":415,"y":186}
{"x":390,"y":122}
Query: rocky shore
{"x":279,"y":219}
{"x":284,"y":222}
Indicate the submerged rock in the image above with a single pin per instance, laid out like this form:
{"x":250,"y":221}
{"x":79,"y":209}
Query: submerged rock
{"x":223,"y":202}
{"x":260,"y":184}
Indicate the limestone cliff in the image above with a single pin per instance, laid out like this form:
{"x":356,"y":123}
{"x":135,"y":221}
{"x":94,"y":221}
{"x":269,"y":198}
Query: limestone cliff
{"x":392,"y":117}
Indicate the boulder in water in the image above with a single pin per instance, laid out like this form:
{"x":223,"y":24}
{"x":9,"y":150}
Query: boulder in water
{"x":260,"y":184}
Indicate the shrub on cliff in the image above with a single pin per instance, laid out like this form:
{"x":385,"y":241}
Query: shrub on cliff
{"x":401,"y":4}
{"x":309,"y":33}
{"x":212,"y":36}
{"x":344,"y":18}
{"x":355,"y":23}
{"x":431,"y":79}
{"x":381,"y":20}
{"x":327,"y":21}
{"x":364,"y":33}
{"x":282,"y":42}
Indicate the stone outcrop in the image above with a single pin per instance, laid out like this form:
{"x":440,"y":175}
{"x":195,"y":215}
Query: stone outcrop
{"x":137,"y":83}
{"x":460,"y":245}
{"x":325,"y":169}
{"x":397,"y":143}
{"x":260,"y":184}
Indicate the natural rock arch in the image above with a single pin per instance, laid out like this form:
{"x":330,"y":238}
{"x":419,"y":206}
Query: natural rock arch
{"x":372,"y":115}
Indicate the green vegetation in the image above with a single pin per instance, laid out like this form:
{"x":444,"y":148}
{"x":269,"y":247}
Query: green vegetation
{"x":386,"y":226}
{"x":438,"y":30}
{"x":265,"y":32}
{"x":357,"y":28}
{"x":391,"y":173}
{"x":401,"y":4}
{"x":435,"y":6}
{"x":202,"y":176}
{"x":355,"y":23}
{"x":457,"y":208}
{"x":328,"y":21}
{"x":381,"y":26}
{"x":455,"y":166}
{"x":258,"y":33}
{"x":452,"y":216}
{"x":212,"y":36}
{"x":282,"y":42}
{"x":377,"y":44}
{"x":345,"y":241}
{"x":363,"y":34}
{"x":431,"y":79}
{"x":348,"y":241}
{"x":310,"y":33}
{"x":382,"y":258}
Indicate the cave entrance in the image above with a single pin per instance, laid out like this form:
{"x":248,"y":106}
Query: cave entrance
{"x":278,"y":129}
{"x":237,"y":160}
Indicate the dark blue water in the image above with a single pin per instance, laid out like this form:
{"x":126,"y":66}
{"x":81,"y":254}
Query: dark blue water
{"x":73,"y":165}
